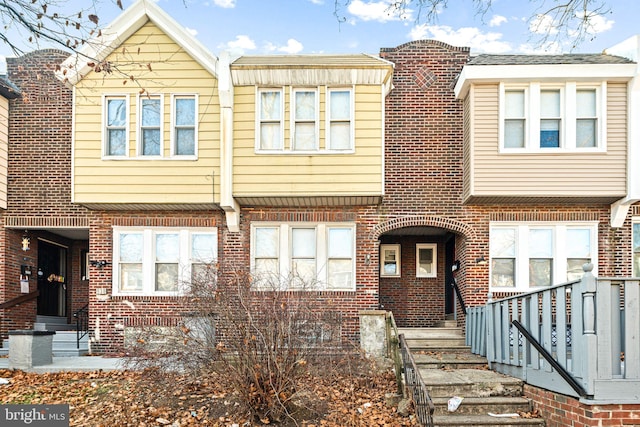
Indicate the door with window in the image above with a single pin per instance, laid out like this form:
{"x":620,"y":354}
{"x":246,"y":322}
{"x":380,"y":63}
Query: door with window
{"x":52,"y":274}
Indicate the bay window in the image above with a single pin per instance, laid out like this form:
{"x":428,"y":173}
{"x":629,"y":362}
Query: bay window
{"x":306,"y":256}
{"x":160,"y":261}
{"x":525,"y":256}
{"x":559,"y":117}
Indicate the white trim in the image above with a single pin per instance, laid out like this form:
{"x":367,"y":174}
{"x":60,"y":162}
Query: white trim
{"x":148,"y":259}
{"x":105,"y":151}
{"x":434,"y":260}
{"x":172,"y":133}
{"x":139,"y":148}
{"x":559,"y":242}
{"x":398,"y":252}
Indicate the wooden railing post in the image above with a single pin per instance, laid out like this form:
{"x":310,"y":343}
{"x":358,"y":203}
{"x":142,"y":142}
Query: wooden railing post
{"x":588,"y":288}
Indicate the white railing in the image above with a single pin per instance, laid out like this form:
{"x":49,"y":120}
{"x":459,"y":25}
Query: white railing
{"x":590,"y":328}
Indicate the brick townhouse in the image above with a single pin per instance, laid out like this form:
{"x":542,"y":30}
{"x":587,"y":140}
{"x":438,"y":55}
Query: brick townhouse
{"x":371,"y":177}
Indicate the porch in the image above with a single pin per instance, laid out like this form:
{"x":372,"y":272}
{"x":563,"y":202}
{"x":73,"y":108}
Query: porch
{"x":579,"y":339}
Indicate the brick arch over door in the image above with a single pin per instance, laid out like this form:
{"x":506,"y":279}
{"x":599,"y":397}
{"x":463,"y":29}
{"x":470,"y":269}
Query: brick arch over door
{"x":420,"y":301}
{"x":424,"y":221}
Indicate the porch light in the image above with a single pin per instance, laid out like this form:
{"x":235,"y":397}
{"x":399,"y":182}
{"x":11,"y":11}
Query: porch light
{"x":26,"y":241}
{"x":481,"y":261}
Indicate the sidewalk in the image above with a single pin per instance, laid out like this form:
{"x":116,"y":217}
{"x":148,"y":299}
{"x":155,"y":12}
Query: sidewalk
{"x":81,"y":363}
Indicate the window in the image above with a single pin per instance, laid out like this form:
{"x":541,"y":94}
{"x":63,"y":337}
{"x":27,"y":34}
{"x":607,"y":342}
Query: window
{"x":636,"y":249}
{"x":586,"y":118}
{"x":515,"y":121}
{"x":317,"y":256}
{"x":549,"y":119}
{"x":339,"y":118}
{"x":390,"y":260}
{"x":305,"y":127}
{"x":184,"y":125}
{"x":150,"y":132}
{"x":270,"y":107}
{"x":116,"y":116}
{"x":525,"y":256}
{"x":552,"y":117}
{"x":160,"y":261}
{"x":426,"y":260}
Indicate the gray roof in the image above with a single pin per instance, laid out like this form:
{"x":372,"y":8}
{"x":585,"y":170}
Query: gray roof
{"x":310,"y":61}
{"x":567,"y":59}
{"x":8,"y":89}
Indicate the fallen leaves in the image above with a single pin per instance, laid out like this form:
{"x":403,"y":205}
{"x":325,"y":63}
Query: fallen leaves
{"x":134,"y":398}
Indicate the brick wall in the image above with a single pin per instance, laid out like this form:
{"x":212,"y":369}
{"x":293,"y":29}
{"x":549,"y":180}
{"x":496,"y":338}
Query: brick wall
{"x":563,"y":411}
{"x":39,"y":178}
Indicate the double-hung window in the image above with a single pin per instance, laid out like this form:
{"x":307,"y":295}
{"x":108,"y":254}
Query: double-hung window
{"x":305,"y":256}
{"x":559,"y":117}
{"x":116,"y":118}
{"x":525,"y":256}
{"x":426,"y":260}
{"x":161,"y":261}
{"x":185,"y":131}
{"x":270,"y":114}
{"x":150,"y":132}
{"x":339,"y":118}
{"x":550,"y":122}
{"x":305,"y":120}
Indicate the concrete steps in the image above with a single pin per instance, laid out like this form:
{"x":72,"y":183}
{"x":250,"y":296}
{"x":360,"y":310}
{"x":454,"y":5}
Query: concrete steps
{"x":64,"y":341}
{"x":453,"y":371}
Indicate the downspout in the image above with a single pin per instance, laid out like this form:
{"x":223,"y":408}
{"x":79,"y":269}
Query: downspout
{"x":225,"y":94}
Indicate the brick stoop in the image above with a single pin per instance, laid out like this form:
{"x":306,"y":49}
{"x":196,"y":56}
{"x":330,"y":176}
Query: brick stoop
{"x":454,"y":371}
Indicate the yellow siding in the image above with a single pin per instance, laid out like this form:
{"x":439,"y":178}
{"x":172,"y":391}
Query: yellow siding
{"x":4,"y":144}
{"x":577,"y":174}
{"x":162,"y":67}
{"x":290,"y":175}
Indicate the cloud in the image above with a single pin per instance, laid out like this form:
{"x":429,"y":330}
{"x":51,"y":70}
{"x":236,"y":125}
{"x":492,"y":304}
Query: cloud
{"x":317,"y":1}
{"x":471,"y":37}
{"x":191,"y":31}
{"x":596,"y":24}
{"x":239,"y":46}
{"x":381,"y":11}
{"x":543,"y":24}
{"x":226,"y":4}
{"x":548,"y":48}
{"x":293,"y":46}
{"x":497,"y":20}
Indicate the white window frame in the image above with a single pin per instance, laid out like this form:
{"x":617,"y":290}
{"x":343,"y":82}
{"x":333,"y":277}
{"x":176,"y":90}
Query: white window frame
{"x":140,"y":127}
{"x":396,"y":250}
{"x":635,"y":266}
{"x":293,"y":120}
{"x":105,"y":133}
{"x":560,"y":256}
{"x":284,"y":253}
{"x":259,"y":121}
{"x":567,"y":116}
{"x":434,"y":259}
{"x":329,"y":119}
{"x":173,"y":133}
{"x":149,"y":261}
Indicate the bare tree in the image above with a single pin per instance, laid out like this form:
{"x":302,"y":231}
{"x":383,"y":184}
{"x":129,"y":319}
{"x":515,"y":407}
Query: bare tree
{"x":30,"y":24}
{"x":553,"y":20}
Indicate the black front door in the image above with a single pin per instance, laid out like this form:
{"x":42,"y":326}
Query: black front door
{"x":51,"y":279}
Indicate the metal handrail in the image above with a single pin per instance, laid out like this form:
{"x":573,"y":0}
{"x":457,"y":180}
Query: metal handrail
{"x":82,"y":323}
{"x":416,"y":385}
{"x":454,"y":283}
{"x":575,"y":385}
{"x":393,"y":350}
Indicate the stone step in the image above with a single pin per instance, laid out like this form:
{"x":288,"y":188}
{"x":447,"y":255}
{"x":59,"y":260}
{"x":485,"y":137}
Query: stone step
{"x":64,"y":344}
{"x":469,"y":383}
{"x":448,"y":360}
{"x":443,"y":342}
{"x":51,"y":319}
{"x":453,"y":349}
{"x":421,"y":333}
{"x":484,"y":421}
{"x":484,"y":405}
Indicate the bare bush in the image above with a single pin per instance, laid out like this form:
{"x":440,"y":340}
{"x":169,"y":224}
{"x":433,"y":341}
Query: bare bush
{"x":255,"y":334}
